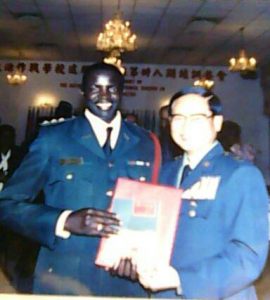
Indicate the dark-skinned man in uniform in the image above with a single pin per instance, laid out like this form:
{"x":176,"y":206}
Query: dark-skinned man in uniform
{"x":67,"y":161}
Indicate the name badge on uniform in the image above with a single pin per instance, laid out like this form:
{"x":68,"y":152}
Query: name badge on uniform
{"x":71,"y":161}
{"x":140,"y":163}
{"x":204,"y":189}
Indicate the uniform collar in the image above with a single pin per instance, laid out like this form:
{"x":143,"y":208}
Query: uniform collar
{"x":100,"y":127}
{"x":196,"y":160}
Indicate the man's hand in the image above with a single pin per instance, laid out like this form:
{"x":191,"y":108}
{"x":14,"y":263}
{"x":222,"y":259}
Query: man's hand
{"x":92,"y":222}
{"x":159,"y":278}
{"x":125,"y":268}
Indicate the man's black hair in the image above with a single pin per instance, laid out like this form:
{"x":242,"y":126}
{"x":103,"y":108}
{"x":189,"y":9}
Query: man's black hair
{"x":64,"y":109}
{"x":229,"y":135}
{"x":214,"y":102}
{"x":7,"y":128}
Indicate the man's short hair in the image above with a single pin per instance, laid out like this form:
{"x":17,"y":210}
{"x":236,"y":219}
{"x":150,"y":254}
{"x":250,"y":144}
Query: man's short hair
{"x":64,"y":109}
{"x":88,"y":70}
{"x":7,"y":128}
{"x":229,"y":135}
{"x":214,"y":102}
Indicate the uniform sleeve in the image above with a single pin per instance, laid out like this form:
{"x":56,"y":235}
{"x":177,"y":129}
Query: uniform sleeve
{"x":17,"y":210}
{"x":245,"y":249}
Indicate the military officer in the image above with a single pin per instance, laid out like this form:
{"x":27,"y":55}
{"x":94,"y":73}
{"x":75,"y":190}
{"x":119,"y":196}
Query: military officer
{"x":76,"y":163}
{"x":222,"y":237}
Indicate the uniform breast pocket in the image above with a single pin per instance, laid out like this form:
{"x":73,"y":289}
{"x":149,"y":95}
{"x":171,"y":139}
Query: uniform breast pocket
{"x":57,"y":177}
{"x":71,"y":184}
{"x":196,"y":208}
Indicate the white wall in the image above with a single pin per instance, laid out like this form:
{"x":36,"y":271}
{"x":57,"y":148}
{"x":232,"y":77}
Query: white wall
{"x":242,"y":99}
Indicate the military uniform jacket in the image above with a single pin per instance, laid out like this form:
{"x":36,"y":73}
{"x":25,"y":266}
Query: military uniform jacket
{"x":67,"y":162}
{"x":222,"y":236}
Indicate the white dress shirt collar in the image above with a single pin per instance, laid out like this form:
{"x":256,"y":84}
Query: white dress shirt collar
{"x":196,"y":160}
{"x":100,"y":127}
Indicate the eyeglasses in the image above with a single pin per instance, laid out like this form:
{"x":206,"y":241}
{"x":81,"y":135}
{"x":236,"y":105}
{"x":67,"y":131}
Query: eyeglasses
{"x":195,"y":118}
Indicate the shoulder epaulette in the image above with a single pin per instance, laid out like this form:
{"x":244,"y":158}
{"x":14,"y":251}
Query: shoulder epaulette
{"x":55,"y":121}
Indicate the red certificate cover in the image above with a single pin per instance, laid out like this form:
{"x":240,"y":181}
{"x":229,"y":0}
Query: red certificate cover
{"x":149,"y":215}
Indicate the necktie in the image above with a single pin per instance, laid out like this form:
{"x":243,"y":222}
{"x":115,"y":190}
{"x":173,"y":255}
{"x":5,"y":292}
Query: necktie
{"x":107,"y":146}
{"x":185,"y":173}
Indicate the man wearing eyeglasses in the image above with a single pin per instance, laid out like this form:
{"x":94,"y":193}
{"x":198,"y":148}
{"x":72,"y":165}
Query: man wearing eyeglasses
{"x":221,"y":241}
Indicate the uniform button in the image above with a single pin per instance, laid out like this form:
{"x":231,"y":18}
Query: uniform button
{"x":206,"y":164}
{"x":50,"y":270}
{"x":69,"y":176}
{"x":193,"y":203}
{"x":110,"y":164}
{"x":142,"y":178}
{"x":192,"y":213}
{"x":109,"y":193}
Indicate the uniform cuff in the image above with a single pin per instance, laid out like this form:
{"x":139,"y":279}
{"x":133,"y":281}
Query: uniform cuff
{"x":60,"y":225}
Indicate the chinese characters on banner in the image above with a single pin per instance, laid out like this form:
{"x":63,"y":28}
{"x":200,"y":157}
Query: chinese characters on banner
{"x":134,"y":74}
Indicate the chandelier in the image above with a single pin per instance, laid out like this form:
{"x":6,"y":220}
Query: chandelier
{"x":17,"y":77}
{"x":204,"y":82}
{"x":116,"y":36}
{"x":115,"y":39}
{"x":243,"y":62}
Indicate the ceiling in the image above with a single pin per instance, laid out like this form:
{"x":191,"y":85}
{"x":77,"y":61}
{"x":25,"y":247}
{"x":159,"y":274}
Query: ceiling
{"x":183,"y":32}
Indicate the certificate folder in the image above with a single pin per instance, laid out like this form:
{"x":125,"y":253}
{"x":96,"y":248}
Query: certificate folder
{"x":149,"y":214}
